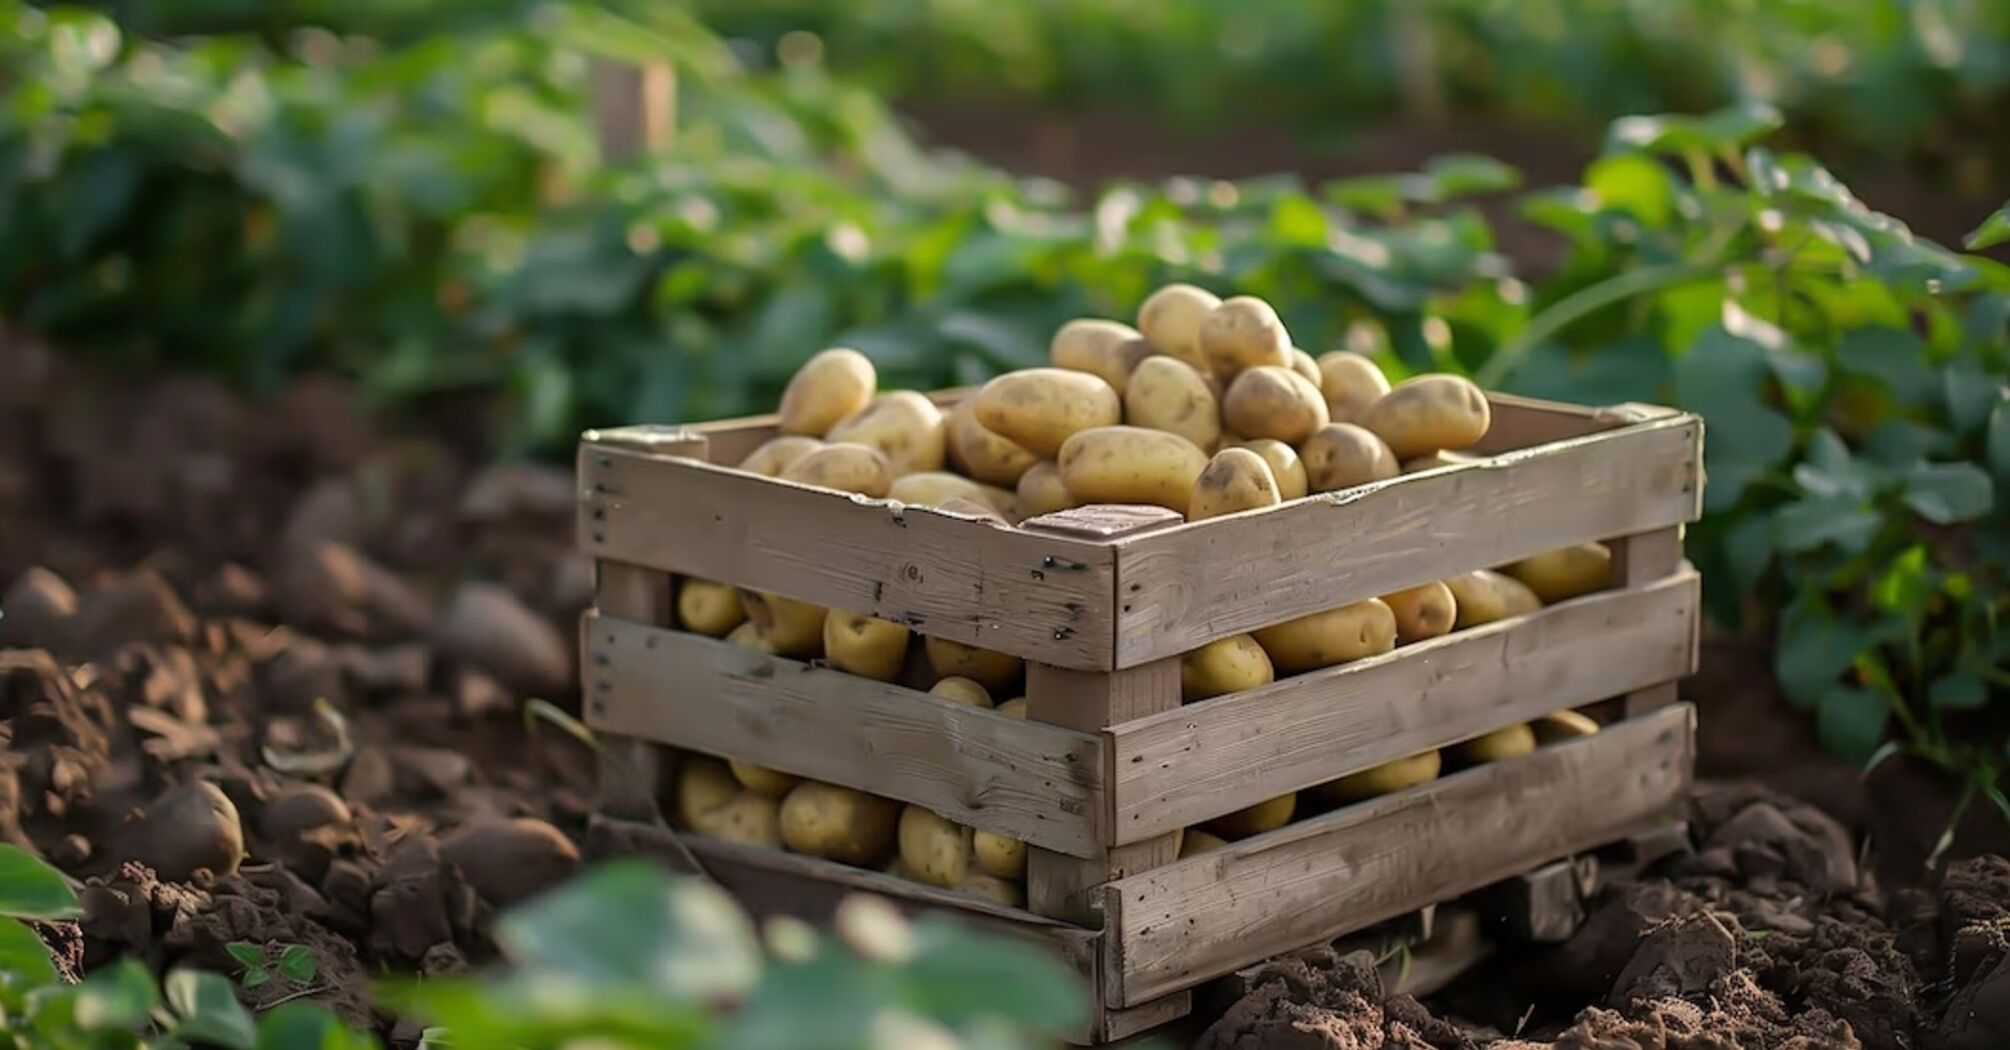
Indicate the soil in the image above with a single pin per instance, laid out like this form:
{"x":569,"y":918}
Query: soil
{"x":262,"y":673}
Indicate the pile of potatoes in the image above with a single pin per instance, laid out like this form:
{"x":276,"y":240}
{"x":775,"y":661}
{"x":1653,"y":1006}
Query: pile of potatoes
{"x":1205,"y":407}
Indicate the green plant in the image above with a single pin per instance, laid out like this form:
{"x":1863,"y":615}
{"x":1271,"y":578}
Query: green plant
{"x":295,"y":963}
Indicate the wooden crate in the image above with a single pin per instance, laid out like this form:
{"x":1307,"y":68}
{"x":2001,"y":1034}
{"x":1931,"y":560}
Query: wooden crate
{"x":1101,"y":603}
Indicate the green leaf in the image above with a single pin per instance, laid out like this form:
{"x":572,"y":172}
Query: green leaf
{"x":246,"y":953}
{"x":1815,"y":648}
{"x":31,"y":889}
{"x":1960,"y":690}
{"x":1459,"y":174}
{"x":1994,"y":230}
{"x":1728,"y":128}
{"x":1632,"y":183}
{"x":957,"y":976}
{"x":305,"y":1026}
{"x":207,"y":1010}
{"x":1811,"y":523}
{"x":1998,"y":441}
{"x":1905,"y":585}
{"x":1851,"y":722}
{"x":257,"y":976}
{"x":297,"y":963}
{"x":23,"y":955}
{"x":119,"y":996}
{"x":1945,"y":493}
{"x":1894,"y":357}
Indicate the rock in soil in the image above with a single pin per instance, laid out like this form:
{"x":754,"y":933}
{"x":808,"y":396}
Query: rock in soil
{"x":37,"y":611}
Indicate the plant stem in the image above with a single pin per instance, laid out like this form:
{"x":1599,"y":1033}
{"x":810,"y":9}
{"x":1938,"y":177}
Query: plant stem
{"x":1582,"y":302}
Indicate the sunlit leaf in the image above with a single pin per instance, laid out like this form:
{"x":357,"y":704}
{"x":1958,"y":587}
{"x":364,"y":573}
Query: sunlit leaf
{"x":22,"y":953}
{"x":31,"y":889}
{"x":119,"y":996}
{"x":207,"y":1011}
{"x":1994,"y":230}
{"x":1945,"y":493}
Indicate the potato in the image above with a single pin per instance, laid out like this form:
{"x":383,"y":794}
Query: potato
{"x":1171,"y":318}
{"x":838,"y":823}
{"x":790,"y":628}
{"x":1510,"y":742}
{"x":1101,"y":348}
{"x":1226,"y":665}
{"x":761,"y":780}
{"x":847,"y":468}
{"x":992,"y":888}
{"x":864,"y":645}
{"x":1440,"y":458}
{"x":708,"y":608}
{"x":1427,"y":413}
{"x":1350,"y":383}
{"x":992,"y":670}
{"x":907,"y":428}
{"x":1243,"y":333}
{"x":1424,"y":611}
{"x":962,"y":690}
{"x":1167,"y":394}
{"x":1265,"y":816}
{"x":748,"y":636}
{"x":1271,"y":402}
{"x":979,"y":453}
{"x":1195,"y":842}
{"x":827,"y":388}
{"x":1121,"y":464}
{"x":1342,"y":455}
{"x":1236,"y":479}
{"x":1558,"y":726}
{"x":936,"y":850}
{"x":749,"y":817}
{"x":1285,"y":465}
{"x":1000,"y":855}
{"x":1013,"y":708}
{"x":1038,"y":409}
{"x":704,"y":783}
{"x":1041,"y":490}
{"x":1565,"y":572}
{"x":1483,"y":596}
{"x":775,"y":454}
{"x":1303,"y":364}
{"x":1334,"y":636}
{"x":1385,"y":779}
{"x":930,"y":488}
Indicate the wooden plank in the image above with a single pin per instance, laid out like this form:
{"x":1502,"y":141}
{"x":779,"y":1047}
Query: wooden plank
{"x":1090,"y":701}
{"x":1206,"y":759}
{"x":1121,"y":1023}
{"x":1030,"y":594}
{"x":1636,"y":559}
{"x":631,"y":773}
{"x":1314,"y":880}
{"x":1040,"y":783}
{"x":1525,"y":422}
{"x":1180,"y":588}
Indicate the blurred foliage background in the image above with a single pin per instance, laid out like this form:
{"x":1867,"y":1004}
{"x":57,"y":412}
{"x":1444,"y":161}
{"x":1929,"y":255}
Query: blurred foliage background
{"x":411,"y":193}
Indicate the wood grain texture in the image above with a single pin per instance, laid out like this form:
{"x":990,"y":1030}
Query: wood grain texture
{"x":1315,"y":880}
{"x":1037,"y":596}
{"x":1040,"y":783}
{"x":1180,"y":588}
{"x":1214,"y":757}
{"x":631,"y":773}
{"x":1637,"y":559}
{"x":1524,"y":422}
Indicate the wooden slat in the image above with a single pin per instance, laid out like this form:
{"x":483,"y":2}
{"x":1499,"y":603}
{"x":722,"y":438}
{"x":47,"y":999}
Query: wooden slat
{"x":1312,"y":881}
{"x":1037,"y":596}
{"x":1525,"y":422}
{"x":631,"y":773}
{"x":1040,"y":783}
{"x":1637,"y":559}
{"x":1210,"y":758}
{"x":1180,"y":588}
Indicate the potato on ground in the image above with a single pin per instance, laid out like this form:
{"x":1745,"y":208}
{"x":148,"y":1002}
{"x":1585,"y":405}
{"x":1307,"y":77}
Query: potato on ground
{"x":993,"y":888}
{"x":1194,"y":842}
{"x":1424,"y":611}
{"x":1565,"y":572}
{"x":1285,"y":465}
{"x":1109,"y":349}
{"x":907,"y":428}
{"x":847,"y":468}
{"x":1013,"y":708}
{"x":936,"y":850}
{"x":1000,"y":855}
{"x":1342,"y":455}
{"x":1334,"y":636}
{"x":749,"y":817}
{"x":1350,"y":383}
{"x":1226,"y":665}
{"x":1265,"y":816}
{"x":761,"y":780}
{"x":704,"y":783}
{"x":827,"y":388}
{"x":990,"y":669}
{"x":1243,"y":333}
{"x":1235,"y":480}
{"x":1428,"y":413}
{"x":865,"y":645}
{"x":748,"y":636}
{"x":1041,"y":490}
{"x":980,"y":454}
{"x":839,"y":823}
{"x":708,"y":608}
{"x":1385,"y":779}
{"x":1167,"y":394}
{"x":1559,"y":726}
{"x":1303,"y":364}
{"x":1483,"y":596}
{"x":1272,"y":402}
{"x":1171,"y":318}
{"x":962,"y":690}
{"x":1039,"y":409}
{"x":932,"y":488}
{"x":790,"y":628}
{"x":1509,"y":742}
{"x":1120,"y":464}
{"x":776,"y":454}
